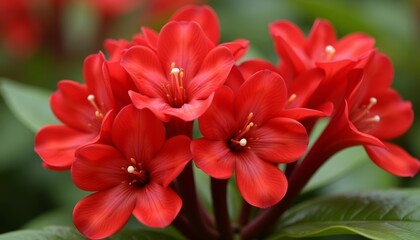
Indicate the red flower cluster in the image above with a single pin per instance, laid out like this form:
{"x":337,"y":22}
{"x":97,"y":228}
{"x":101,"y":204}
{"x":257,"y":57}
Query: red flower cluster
{"x":25,"y":25}
{"x":127,"y":132}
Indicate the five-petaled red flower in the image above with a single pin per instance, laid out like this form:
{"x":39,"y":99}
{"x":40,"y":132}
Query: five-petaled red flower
{"x":246,"y":133}
{"x":373,"y":114}
{"x":129,"y":177}
{"x":83,"y":110}
{"x":180,"y":77}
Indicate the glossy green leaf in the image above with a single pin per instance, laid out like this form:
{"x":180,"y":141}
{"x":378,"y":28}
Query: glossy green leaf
{"x":66,"y":233}
{"x":48,"y":233}
{"x":29,"y":104}
{"x":392,"y":214}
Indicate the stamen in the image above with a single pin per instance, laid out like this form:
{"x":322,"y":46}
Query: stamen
{"x":291,"y":98}
{"x":130,"y":169}
{"x":239,"y":140}
{"x":175,"y":70}
{"x":133,"y":170}
{"x":375,"y":118}
{"x":364,"y":110}
{"x":175,"y":91}
{"x":243,"y":142}
{"x":91,"y":99}
{"x":329,"y":52}
{"x":372,"y":102}
{"x":361,"y":117}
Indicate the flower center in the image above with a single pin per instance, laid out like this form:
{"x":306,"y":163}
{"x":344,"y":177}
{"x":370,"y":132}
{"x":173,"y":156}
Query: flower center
{"x":174,"y":89}
{"x":361,"y":117}
{"x":239,"y":140}
{"x":138,"y":176}
{"x":328,"y":53}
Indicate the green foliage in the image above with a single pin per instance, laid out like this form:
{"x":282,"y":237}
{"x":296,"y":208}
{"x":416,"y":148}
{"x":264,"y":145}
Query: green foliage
{"x":393,"y":214}
{"x":65,"y":233}
{"x":48,"y":233}
{"x":29,"y":104}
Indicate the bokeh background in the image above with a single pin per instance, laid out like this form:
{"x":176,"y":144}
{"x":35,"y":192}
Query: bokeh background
{"x":44,"y":41}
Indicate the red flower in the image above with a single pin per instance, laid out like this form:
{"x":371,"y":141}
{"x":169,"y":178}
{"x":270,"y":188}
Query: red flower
{"x":246,"y":133}
{"x":19,"y":28}
{"x":180,"y":77}
{"x":207,"y":18}
{"x":321,"y":49}
{"x":299,"y":91}
{"x":374,"y":114}
{"x":82,"y":109}
{"x":129,"y":177}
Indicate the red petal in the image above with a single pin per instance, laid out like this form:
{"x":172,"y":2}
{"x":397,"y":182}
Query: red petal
{"x":396,"y":115}
{"x":213,"y":157}
{"x":192,"y":110}
{"x":394,"y":159}
{"x":185,"y":44}
{"x":69,"y":103}
{"x":280,"y":140}
{"x":249,"y":67}
{"x":102,"y":214}
{"x":299,"y":114}
{"x":218,"y":122}
{"x":138,"y":134}
{"x":156,"y":105}
{"x":121,"y":83}
{"x":345,"y":133}
{"x":262,"y":184}
{"x":151,"y":37}
{"x":98,"y":167}
{"x":212,"y":73}
{"x":289,"y":43}
{"x":238,"y":48}
{"x":56,"y":144}
{"x":146,"y":70}
{"x":354,"y":46}
{"x":96,"y":82}
{"x":157,"y":206}
{"x":377,"y":77}
{"x":322,"y":34}
{"x":203,"y":15}
{"x":170,"y":160}
{"x":303,"y":86}
{"x":235,"y":79}
{"x":264,"y":94}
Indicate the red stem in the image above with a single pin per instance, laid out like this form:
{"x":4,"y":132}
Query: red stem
{"x":191,"y":206}
{"x":245,"y":214}
{"x":221,"y":213}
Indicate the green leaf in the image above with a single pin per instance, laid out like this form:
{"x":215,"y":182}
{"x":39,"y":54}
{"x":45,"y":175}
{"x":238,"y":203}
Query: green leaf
{"x":48,"y":233}
{"x":29,"y":104}
{"x":65,"y":233}
{"x":16,"y":141}
{"x":392,"y":214}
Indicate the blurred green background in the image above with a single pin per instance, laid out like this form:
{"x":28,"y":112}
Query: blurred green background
{"x":32,"y":196}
